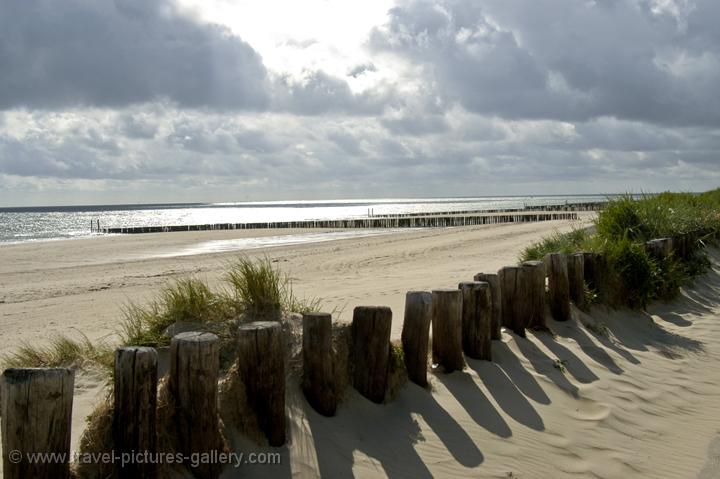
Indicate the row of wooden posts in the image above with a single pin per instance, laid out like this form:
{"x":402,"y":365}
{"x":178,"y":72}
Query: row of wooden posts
{"x":37,"y":403}
{"x":583,"y":206}
{"x":436,"y":221}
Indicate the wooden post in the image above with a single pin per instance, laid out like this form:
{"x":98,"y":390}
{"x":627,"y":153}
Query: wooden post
{"x":591,"y":269}
{"x":415,"y":335}
{"x":660,"y":248}
{"x":558,"y":286}
{"x":192,"y":384}
{"x":261,"y":359}
{"x":370,"y":350}
{"x":134,"y":431}
{"x":532,"y":302}
{"x":476,"y":319}
{"x":447,"y":329}
{"x":36,"y":418}
{"x":576,"y":279}
{"x":318,"y":377}
{"x":510,"y":287}
{"x":494,"y":282}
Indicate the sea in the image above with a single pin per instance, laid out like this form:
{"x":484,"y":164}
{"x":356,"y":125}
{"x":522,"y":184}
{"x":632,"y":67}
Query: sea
{"x":24,"y":224}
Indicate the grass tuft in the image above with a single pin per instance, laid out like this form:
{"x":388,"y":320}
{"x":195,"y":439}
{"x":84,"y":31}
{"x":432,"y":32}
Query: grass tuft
{"x":62,"y":351}
{"x":262,"y":291}
{"x":188,"y":300}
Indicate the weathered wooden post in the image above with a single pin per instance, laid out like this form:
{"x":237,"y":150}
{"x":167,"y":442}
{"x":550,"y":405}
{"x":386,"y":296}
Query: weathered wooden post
{"x":36,"y":418}
{"x":558,"y":286}
{"x":476,"y":319}
{"x":659,"y":248}
{"x":447,"y":329}
{"x":576,"y":279}
{"x":318,"y":377}
{"x":415,"y":335}
{"x":192,"y":384}
{"x":134,"y":410}
{"x":261,"y":361}
{"x":370,"y":350}
{"x":510,"y":291}
{"x":591,"y":269}
{"x":496,"y":313}
{"x":531,"y":302}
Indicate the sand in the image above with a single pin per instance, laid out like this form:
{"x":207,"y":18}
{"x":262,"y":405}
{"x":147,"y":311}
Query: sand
{"x":632,"y":395}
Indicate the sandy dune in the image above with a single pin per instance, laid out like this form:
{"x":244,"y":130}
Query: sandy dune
{"x":638,"y":400}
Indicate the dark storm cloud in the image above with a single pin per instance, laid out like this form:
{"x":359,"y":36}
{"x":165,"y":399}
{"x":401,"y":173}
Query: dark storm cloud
{"x":564,"y":59}
{"x":115,"y":53}
{"x":104,"y":53}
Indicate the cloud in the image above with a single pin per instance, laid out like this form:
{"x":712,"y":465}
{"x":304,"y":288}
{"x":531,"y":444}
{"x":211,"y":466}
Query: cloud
{"x":105,"y":53}
{"x":646,"y":60}
{"x":466,"y":98}
{"x":137,"y":126}
{"x":318,"y":92}
{"x":122,"y":53}
{"x":299,"y":44}
{"x":361,"y":69}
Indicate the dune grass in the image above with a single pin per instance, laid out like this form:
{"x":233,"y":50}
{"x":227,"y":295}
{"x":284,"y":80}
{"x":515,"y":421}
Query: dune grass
{"x":631,"y":277}
{"x":262,"y":291}
{"x":62,"y":351}
{"x":254,"y":290}
{"x":187,"y":300}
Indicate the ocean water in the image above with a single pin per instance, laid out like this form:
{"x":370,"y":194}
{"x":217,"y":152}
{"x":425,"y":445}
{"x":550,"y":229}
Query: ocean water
{"x":61,"y":222}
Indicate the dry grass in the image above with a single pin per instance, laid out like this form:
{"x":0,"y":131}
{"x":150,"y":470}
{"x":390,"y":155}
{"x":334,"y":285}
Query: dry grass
{"x":397,"y":373}
{"x":235,"y":410}
{"x":97,"y":439}
{"x":62,"y":351}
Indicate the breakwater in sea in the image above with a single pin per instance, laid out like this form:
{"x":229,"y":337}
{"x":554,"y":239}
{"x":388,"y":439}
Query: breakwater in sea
{"x":436,"y":221}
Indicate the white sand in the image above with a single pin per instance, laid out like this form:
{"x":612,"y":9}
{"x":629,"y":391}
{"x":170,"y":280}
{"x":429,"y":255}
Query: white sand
{"x":641,"y":402}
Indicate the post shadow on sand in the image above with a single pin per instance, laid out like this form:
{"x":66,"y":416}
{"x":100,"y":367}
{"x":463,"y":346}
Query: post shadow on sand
{"x":506,"y":394}
{"x":701,"y":295}
{"x":576,"y":333}
{"x":636,"y":330}
{"x":462,"y":386}
{"x":574,"y":365}
{"x":544,"y":365}
{"x":387,"y":433}
{"x":520,"y":377}
{"x":675,"y":319}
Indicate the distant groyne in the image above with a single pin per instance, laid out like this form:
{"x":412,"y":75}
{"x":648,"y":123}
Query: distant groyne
{"x":437,"y":220}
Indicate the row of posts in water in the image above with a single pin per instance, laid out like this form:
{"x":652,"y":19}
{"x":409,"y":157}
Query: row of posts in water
{"x":586,"y":206}
{"x":399,"y":222}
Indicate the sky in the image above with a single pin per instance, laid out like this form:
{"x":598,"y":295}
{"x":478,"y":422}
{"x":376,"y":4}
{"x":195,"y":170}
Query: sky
{"x":126,"y":101}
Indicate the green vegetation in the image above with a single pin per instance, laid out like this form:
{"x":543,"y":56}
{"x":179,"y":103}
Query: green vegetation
{"x":187,"y":300}
{"x":61,"y":352}
{"x":630,"y":276}
{"x":575,"y":240}
{"x":257,"y":290}
{"x":263,"y":291}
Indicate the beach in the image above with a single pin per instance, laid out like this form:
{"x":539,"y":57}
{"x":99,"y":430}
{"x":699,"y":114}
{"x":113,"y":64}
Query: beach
{"x":612,"y":394}
{"x":48,"y":287}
